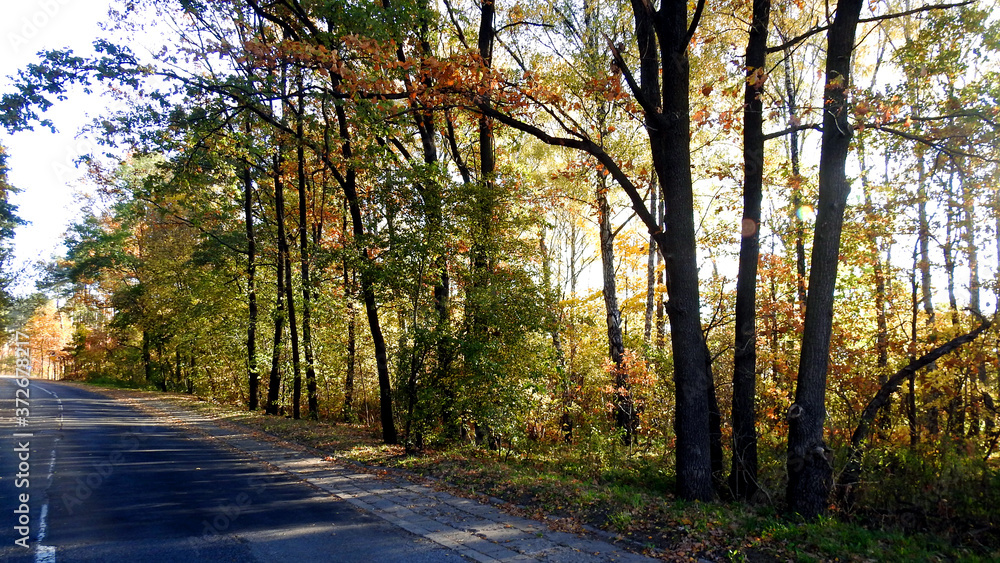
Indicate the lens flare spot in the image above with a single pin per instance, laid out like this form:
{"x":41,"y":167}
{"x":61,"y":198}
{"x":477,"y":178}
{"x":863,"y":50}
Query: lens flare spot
{"x":805,"y":213}
{"x":749,"y":227}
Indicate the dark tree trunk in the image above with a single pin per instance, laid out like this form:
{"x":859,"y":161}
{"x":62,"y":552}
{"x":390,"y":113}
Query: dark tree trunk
{"x":743,"y":477}
{"x":647,"y":327}
{"x":948,"y":249}
{"x":975,"y":287}
{"x":911,"y":398}
{"x":624,"y":407}
{"x":485,"y":205}
{"x":163,"y":365}
{"x":293,"y":330}
{"x":878,"y":271}
{"x":147,"y":359}
{"x":304,"y":260}
{"x":661,"y":303}
{"x":810,"y":472}
{"x":274,"y":381}
{"x":252,"y":373}
{"x":177,"y":365}
{"x":955,"y":423}
{"x":671,"y":150}
{"x":347,"y":413}
{"x":349,"y":183}
{"x":285,"y":265}
{"x":796,"y":181}
{"x":923,"y":238}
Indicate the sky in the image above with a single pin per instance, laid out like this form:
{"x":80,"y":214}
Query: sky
{"x":42,"y":163}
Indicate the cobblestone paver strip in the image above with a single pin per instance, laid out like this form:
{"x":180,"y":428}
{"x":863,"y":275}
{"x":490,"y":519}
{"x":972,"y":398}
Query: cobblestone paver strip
{"x":480,"y":532}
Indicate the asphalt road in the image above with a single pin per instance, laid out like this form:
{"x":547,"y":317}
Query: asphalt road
{"x":105,"y":482}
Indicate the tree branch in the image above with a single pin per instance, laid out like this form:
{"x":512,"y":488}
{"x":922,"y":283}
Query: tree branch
{"x":695,"y":19}
{"x":819,"y":29}
{"x":853,"y":470}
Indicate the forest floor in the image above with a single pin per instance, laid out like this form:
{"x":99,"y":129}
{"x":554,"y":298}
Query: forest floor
{"x":629,"y":500}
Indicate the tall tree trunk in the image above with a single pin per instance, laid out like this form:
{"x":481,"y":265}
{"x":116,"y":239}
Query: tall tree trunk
{"x":972,"y":255}
{"x":796,"y":181}
{"x":624,"y":407}
{"x":293,"y":330}
{"x":349,"y":184}
{"x":285,"y":261}
{"x":485,"y":204}
{"x":252,"y":374}
{"x":955,"y":407}
{"x":431,"y":193}
{"x":661,"y":303}
{"x":948,"y":248}
{"x":743,"y":477}
{"x":923,"y":238}
{"x":911,"y":398}
{"x":671,"y":151}
{"x":274,"y":381}
{"x":347,"y":413}
{"x":881,"y":321}
{"x":163,"y":365}
{"x":810,"y":471}
{"x":647,"y":327}
{"x":304,"y":260}
{"x":147,"y":359}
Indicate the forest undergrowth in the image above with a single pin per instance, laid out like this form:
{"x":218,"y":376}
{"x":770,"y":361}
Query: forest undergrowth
{"x":950,"y":511}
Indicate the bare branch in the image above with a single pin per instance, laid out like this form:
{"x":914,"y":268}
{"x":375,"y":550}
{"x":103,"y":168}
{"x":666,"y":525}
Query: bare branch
{"x":790,"y":130}
{"x":695,"y":19}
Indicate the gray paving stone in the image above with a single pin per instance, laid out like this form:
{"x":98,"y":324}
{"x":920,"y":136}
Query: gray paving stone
{"x":531,"y":545}
{"x":478,"y":531}
{"x":564,"y":554}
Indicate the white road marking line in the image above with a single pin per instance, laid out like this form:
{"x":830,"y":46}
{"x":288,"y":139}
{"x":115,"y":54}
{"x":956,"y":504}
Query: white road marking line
{"x":47,"y":553}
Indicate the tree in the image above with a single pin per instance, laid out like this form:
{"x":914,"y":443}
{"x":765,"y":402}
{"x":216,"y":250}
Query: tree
{"x":8,"y":222}
{"x":743,"y":477}
{"x":809,"y":461}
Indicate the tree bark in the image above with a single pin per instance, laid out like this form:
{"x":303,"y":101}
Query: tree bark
{"x":624,"y":407}
{"x":923,"y":238}
{"x":809,"y":466}
{"x":293,"y":328}
{"x":743,"y":477}
{"x":661,"y":303}
{"x":796,"y":181}
{"x":285,"y":269}
{"x":252,"y":374}
{"x":485,"y":205}
{"x":304,"y":261}
{"x":274,"y":381}
{"x":647,"y":327}
{"x":147,"y":359}
{"x":349,"y":183}
{"x":347,"y":412}
{"x":671,"y":150}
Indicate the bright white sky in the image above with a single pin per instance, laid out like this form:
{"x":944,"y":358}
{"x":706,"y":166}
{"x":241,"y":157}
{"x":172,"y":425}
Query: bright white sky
{"x":41,"y":163}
